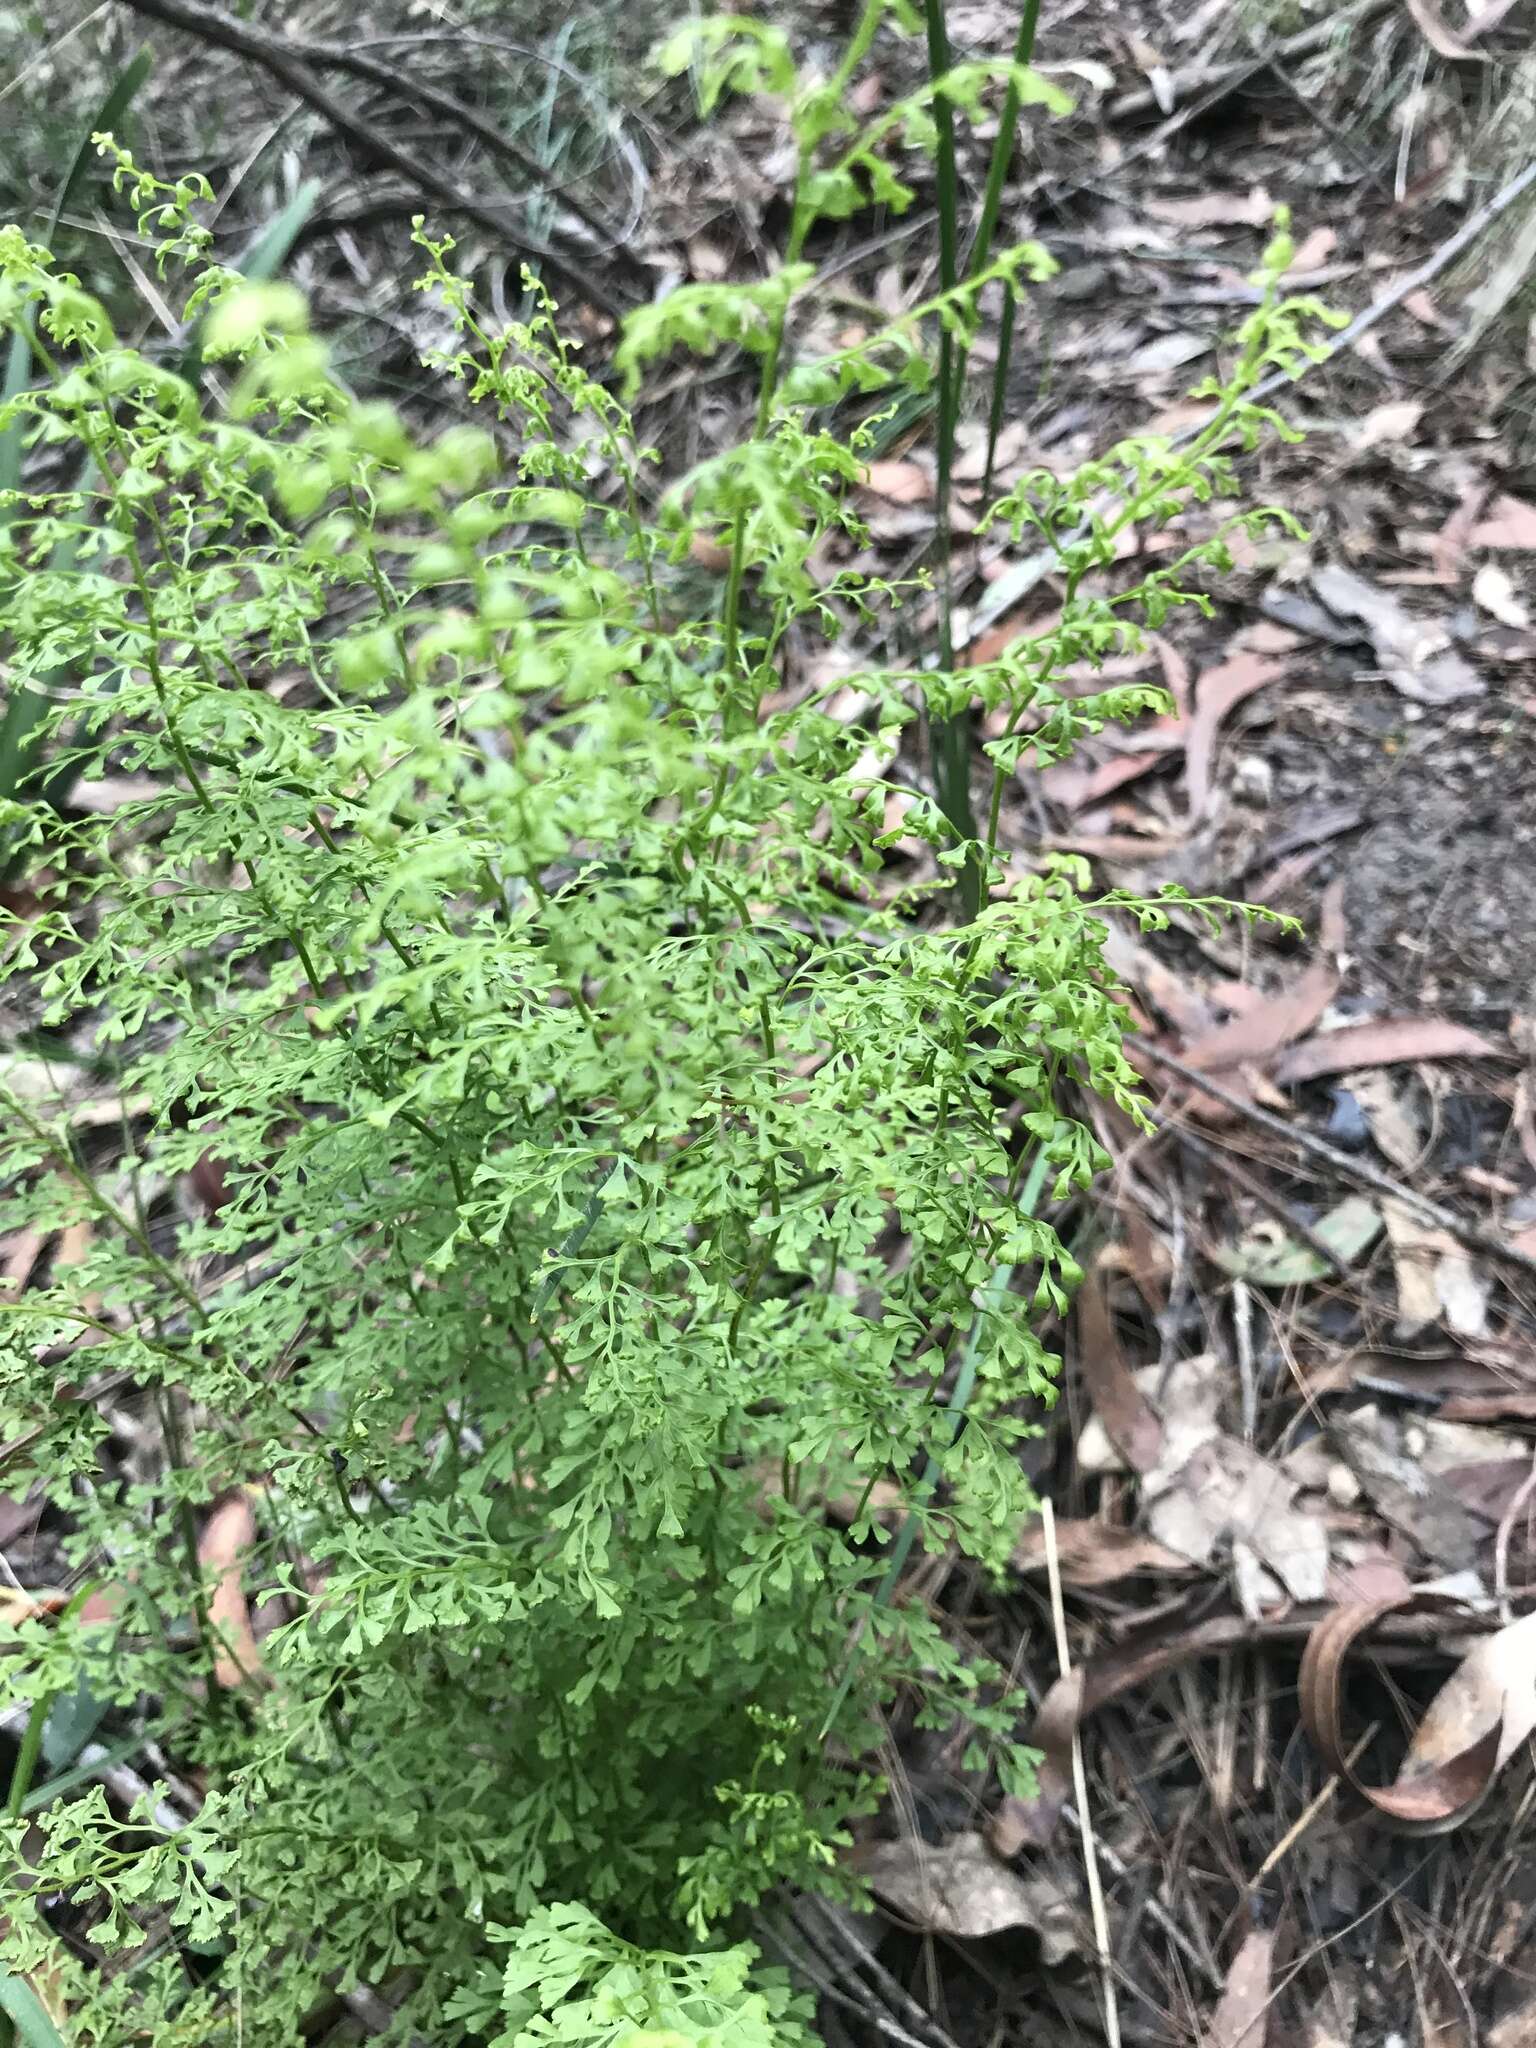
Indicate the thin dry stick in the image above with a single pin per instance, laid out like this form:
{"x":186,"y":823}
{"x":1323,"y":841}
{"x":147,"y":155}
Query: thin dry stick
{"x":1460,"y":1227}
{"x":1269,"y":1198}
{"x":837,"y":1932}
{"x":810,"y":1963}
{"x":1228,"y":77}
{"x":1413,"y":280}
{"x":1080,"y":1787}
{"x":276,"y":56}
{"x":1309,"y":1812}
{"x":1157,"y":1910}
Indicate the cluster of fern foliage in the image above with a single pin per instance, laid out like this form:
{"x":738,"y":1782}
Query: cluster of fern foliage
{"x":612,"y":1168}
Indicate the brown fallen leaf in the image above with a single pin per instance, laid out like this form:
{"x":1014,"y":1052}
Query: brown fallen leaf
{"x":1415,"y":1247}
{"x":709,"y":553}
{"x":964,"y":1889}
{"x":1147,"y":976}
{"x":1490,"y":1486}
{"x":970,"y":463}
{"x":1204,"y":1490}
{"x":1075,"y":787}
{"x":1373,"y":1575}
{"x":1415,"y":655}
{"x":1214,"y":209}
{"x":1241,"y":2018}
{"x":1123,"y":1411}
{"x":209,"y":1182}
{"x":1162,"y":1645}
{"x":18,"y":1603}
{"x":1226,"y":1492}
{"x":101,"y":795}
{"x":1260,"y":1032}
{"x":1510,"y":1404}
{"x":1135,"y":848}
{"x":1187,"y":1398}
{"x":1383,"y":1042}
{"x":18,"y":1512}
{"x":707,"y":259}
{"x":1166,"y":353}
{"x":1176,"y":674}
{"x":1451,"y":1448}
{"x":1487,"y":17}
{"x":1492,"y":1370}
{"x":1494,"y":590}
{"x":1394,"y":1128}
{"x":1510,"y":523}
{"x":1449,"y":549}
{"x":1312,"y":250}
{"x":1516,"y":2030}
{"x":901,"y":483}
{"x":21,"y":1254}
{"x":227,"y":1535}
{"x":1219,"y":691}
{"x":76,"y":1242}
{"x":1481,"y":1715}
{"x":1092,"y":1553}
{"x":1144,"y":1256}
{"x":1463,"y":1292}
{"x":1420,"y":305}
{"x":1385,"y":424}
{"x":1417,"y":1503}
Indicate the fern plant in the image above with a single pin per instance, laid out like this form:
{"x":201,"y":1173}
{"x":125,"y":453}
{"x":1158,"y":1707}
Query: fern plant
{"x":610,"y":1173}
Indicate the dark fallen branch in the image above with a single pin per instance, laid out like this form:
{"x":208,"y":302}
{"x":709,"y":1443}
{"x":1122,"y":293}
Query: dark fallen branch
{"x":290,"y":60}
{"x":1462,"y":1228}
{"x":1284,"y":1212}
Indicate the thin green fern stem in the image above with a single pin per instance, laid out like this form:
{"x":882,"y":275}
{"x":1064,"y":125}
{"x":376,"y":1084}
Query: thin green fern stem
{"x":949,"y":737}
{"x":998,"y":405}
{"x":1002,"y":147}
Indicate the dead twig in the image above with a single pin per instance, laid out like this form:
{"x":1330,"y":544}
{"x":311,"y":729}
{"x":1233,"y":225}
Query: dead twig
{"x":1217,"y":81}
{"x":1156,"y":1909}
{"x":1475,"y":1235}
{"x":288,"y":62}
{"x":1310,"y":1811}
{"x":1080,"y":1789}
{"x":858,"y":1956}
{"x":1413,"y":280}
{"x":1285,"y":1212}
{"x":811,"y":1962}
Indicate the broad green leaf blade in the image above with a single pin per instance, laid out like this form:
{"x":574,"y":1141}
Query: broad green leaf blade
{"x":269,"y":250}
{"x":73,"y":1719}
{"x":24,"y":709}
{"x":27,"y":2014}
{"x":18,"y":371}
{"x":107,"y":116}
